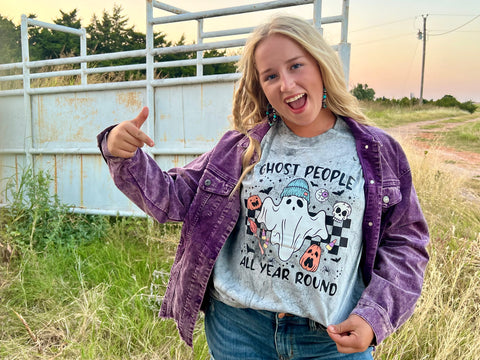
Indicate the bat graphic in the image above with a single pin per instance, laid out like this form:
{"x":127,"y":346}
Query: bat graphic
{"x":267,"y":190}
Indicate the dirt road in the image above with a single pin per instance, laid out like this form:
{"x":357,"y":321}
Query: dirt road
{"x":464,"y":161}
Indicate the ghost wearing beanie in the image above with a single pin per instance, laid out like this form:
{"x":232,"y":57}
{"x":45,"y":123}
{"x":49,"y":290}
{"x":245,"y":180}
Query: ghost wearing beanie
{"x":289,"y":221}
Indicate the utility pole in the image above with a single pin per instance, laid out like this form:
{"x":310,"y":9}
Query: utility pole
{"x":423,"y":36}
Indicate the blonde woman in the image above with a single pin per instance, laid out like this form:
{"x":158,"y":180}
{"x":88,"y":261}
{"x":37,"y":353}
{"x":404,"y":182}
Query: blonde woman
{"x":302,"y":236}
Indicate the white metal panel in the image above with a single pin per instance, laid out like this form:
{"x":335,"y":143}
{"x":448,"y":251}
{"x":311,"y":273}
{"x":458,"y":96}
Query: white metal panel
{"x":68,"y":120}
{"x":55,"y":128}
{"x":12,"y":123}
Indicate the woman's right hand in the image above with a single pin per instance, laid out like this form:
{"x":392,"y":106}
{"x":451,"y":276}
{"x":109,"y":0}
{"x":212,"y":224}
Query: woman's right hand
{"x":125,"y":138}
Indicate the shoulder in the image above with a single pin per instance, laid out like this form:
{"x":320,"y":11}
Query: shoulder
{"x":234,"y":136}
{"x":371,"y":133}
{"x":389,"y":150}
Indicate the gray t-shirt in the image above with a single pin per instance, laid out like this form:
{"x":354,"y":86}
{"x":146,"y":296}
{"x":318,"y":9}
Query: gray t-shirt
{"x":298,"y":242}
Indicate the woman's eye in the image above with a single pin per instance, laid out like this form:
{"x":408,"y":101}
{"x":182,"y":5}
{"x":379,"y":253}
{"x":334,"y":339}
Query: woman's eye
{"x":296,"y":66}
{"x":270,"y":77}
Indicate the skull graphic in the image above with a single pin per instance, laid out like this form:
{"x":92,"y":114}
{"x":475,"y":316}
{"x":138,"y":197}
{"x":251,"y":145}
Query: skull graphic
{"x":341,"y":211}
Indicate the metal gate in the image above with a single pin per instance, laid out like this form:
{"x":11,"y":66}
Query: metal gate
{"x":54,"y":128}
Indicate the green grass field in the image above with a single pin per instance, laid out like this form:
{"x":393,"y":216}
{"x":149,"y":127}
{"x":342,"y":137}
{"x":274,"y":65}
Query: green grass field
{"x":85,"y":287}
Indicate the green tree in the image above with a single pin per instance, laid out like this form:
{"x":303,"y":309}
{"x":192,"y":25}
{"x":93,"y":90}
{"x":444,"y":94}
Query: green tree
{"x":363,"y":92}
{"x":112,"y":34}
{"x":180,"y":71}
{"x":447,"y":101}
{"x":49,"y":44}
{"x":108,"y":34}
{"x":10,"y":49}
{"x":225,"y":68}
{"x":468,"y":106}
{"x":191,"y":70}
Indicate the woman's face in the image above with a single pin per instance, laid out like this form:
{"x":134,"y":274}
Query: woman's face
{"x":291,"y":80}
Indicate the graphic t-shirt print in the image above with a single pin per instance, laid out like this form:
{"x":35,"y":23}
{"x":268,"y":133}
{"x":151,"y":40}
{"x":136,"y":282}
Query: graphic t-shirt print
{"x":297,"y":244}
{"x":289,"y":222}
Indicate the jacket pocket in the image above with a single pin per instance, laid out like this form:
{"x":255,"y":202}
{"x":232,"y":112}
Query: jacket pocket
{"x":391,"y":194}
{"x":213,"y":183}
{"x":211,"y":198}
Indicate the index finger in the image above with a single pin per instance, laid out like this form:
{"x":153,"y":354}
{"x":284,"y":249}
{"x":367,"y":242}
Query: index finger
{"x":139,"y":135}
{"x":141,"y":117}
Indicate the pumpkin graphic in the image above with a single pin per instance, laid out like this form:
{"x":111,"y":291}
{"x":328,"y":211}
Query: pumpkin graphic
{"x":254,"y":202}
{"x":311,"y":258}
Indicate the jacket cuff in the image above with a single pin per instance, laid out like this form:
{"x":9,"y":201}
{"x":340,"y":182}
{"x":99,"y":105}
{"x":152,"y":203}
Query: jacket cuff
{"x":376,"y":317}
{"x":102,"y":142}
{"x":102,"y":145}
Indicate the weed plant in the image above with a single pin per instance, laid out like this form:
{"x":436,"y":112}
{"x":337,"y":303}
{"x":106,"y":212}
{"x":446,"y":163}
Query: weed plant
{"x":36,"y":219}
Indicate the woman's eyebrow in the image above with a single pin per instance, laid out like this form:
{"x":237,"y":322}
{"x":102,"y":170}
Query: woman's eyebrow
{"x":286,"y":62}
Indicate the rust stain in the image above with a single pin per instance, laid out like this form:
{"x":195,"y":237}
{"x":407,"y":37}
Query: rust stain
{"x":55,"y":179}
{"x":71,"y":111}
{"x":131,"y":99}
{"x":203,"y":139}
{"x":41,"y":117}
{"x":175,"y":161}
{"x":81,"y":180}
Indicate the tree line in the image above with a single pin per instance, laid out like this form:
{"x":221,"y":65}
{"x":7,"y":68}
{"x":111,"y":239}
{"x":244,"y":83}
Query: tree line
{"x":364,"y":93}
{"x":106,"y":34}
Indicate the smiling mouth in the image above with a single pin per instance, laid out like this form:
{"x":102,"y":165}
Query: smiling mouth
{"x":297,"y":101}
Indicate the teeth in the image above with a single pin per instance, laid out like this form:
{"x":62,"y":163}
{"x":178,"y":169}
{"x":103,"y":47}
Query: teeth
{"x":294,"y":98}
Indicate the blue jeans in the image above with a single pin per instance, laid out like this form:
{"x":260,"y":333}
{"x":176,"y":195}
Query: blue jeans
{"x":234,"y":334}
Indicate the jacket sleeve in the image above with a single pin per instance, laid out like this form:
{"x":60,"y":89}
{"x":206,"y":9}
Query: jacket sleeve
{"x":166,"y":196}
{"x":400,"y":256}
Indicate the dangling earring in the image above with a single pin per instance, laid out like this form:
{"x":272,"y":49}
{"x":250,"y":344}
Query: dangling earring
{"x":324,"y":99}
{"x":271,"y":114}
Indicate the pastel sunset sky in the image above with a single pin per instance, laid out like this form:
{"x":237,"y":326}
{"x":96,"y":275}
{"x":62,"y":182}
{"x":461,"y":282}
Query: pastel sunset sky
{"x":385,"y":51}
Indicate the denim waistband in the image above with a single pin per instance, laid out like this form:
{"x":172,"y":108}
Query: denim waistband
{"x":278,"y":318}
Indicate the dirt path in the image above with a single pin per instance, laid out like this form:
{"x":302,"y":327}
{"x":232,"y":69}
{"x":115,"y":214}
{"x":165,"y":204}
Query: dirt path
{"x":464,"y":161}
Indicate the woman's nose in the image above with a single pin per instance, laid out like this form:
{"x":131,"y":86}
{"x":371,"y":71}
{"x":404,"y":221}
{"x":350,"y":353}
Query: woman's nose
{"x":287,"y":82}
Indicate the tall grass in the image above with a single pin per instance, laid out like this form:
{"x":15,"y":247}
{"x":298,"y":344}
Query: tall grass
{"x":97,"y":295}
{"x":68,"y":290}
{"x":464,"y":137}
{"x":389,"y":116}
{"x":446,"y":323}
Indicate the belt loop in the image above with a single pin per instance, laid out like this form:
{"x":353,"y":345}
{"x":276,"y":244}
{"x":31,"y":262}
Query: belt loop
{"x":315,"y":326}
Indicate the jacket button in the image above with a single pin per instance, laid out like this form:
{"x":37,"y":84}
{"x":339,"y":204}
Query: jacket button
{"x":370,"y":223}
{"x":386,"y":199}
{"x":372,"y":182}
{"x":366,"y":147}
{"x":208,"y":182}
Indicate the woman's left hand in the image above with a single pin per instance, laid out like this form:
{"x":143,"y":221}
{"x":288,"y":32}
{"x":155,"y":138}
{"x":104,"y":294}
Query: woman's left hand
{"x":352,"y":335}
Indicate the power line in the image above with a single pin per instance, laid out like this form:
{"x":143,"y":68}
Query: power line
{"x":383,"y":24}
{"x":464,"y":15}
{"x":384,"y":39}
{"x":458,"y":27}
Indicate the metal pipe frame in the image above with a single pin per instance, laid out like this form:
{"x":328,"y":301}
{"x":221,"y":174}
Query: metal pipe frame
{"x":149,"y":54}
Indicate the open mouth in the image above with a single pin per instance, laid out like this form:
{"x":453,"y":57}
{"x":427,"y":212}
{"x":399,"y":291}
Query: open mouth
{"x":297,"y":101}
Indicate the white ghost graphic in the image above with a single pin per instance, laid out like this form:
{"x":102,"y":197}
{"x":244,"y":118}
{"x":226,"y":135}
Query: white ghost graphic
{"x":289,"y":221}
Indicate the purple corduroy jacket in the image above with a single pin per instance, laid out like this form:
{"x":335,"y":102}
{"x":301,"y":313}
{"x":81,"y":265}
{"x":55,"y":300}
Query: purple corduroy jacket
{"x":395,"y":232}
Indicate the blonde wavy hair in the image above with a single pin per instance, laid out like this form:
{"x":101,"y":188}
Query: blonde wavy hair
{"x":250,"y":103}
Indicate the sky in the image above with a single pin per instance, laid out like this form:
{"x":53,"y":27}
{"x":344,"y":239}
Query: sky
{"x":386,"y":53}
